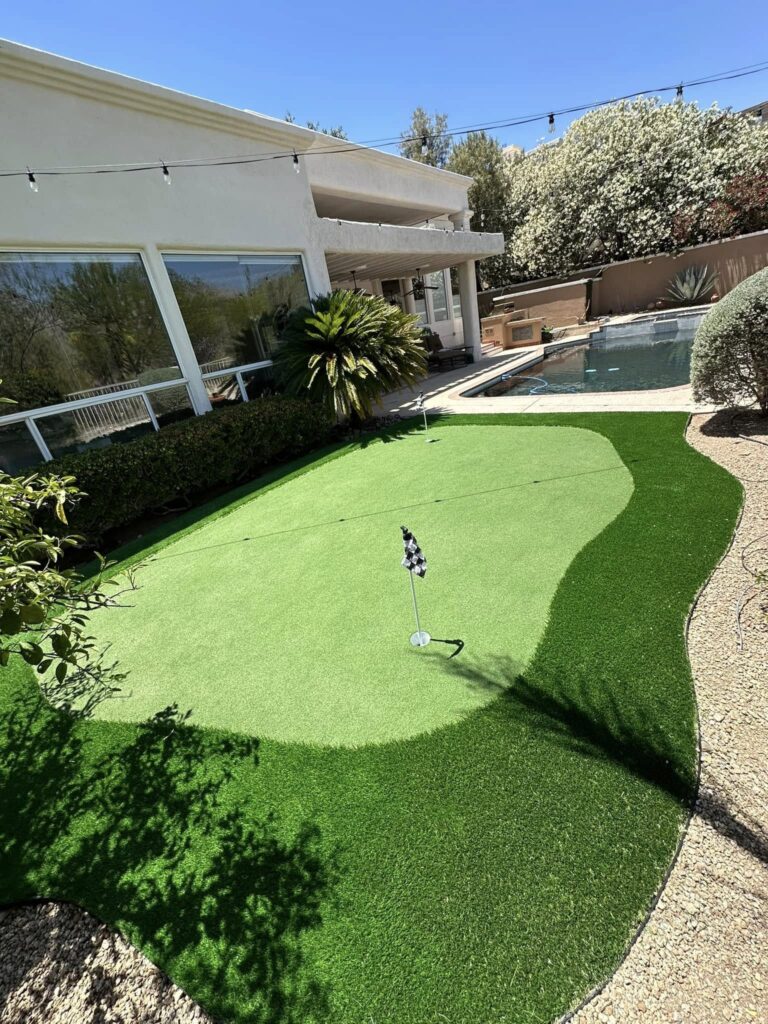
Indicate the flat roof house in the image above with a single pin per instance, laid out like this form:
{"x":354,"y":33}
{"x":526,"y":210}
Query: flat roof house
{"x":125,"y":303}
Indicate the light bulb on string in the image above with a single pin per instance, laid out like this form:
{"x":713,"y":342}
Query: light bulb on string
{"x":32,"y":181}
{"x":166,"y":173}
{"x":296,"y":165}
{"x":679,"y":94}
{"x":551,"y":124}
{"x":424,"y":145}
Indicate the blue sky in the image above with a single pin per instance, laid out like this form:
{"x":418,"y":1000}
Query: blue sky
{"x":366,"y":65}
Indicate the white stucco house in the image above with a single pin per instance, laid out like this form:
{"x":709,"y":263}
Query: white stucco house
{"x":155,"y":289}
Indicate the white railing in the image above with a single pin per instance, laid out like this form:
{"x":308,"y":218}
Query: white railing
{"x":107,"y":389}
{"x":95,"y":420}
{"x":214,"y":365}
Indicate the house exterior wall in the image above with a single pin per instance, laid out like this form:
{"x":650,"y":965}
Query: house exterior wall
{"x":62,"y":114}
{"x":261,"y":207}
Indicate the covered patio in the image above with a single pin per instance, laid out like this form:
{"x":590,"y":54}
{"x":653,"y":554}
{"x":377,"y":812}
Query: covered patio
{"x":438,"y":258}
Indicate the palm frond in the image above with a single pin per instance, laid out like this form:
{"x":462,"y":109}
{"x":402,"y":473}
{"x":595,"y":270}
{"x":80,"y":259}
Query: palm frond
{"x":349,"y":351}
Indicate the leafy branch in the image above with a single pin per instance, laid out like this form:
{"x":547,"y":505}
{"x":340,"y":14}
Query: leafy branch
{"x":44,"y":607}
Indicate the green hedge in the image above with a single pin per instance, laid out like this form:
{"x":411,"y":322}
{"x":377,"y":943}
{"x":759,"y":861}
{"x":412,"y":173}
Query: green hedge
{"x":124,"y":481}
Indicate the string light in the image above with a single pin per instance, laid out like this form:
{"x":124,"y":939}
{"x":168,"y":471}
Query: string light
{"x":296,"y":165}
{"x":751,"y":69}
{"x":551,"y":124}
{"x":32,"y":181}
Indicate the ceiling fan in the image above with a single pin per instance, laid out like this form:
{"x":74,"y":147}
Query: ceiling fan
{"x":420,"y":287}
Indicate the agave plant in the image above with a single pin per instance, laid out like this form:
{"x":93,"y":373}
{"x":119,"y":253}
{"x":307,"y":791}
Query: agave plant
{"x":349,"y":351}
{"x":691,"y":285}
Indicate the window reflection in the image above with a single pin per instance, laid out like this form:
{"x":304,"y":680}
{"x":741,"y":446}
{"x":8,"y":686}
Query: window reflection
{"x":223,"y":390}
{"x":95,"y":426}
{"x":170,"y":405}
{"x":18,"y":450}
{"x":235,"y":307}
{"x":439,"y":298}
{"x":76,"y":325}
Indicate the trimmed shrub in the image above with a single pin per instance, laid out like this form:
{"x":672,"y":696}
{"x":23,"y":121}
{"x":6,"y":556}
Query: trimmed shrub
{"x":124,"y":481}
{"x":729,"y":364}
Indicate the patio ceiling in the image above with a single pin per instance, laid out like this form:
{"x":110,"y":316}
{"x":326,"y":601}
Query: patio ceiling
{"x":371,"y":212}
{"x":375,"y":252}
{"x":378,"y":266}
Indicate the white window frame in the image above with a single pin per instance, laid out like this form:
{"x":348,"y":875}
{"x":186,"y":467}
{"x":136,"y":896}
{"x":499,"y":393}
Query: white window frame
{"x":30,"y":416}
{"x":152,"y":260}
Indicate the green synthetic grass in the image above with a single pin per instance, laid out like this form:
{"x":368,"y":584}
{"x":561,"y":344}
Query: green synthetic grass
{"x":297,"y":602}
{"x":491,"y":870}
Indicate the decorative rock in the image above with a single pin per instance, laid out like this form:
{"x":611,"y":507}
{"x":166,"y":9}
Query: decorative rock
{"x":700,"y":956}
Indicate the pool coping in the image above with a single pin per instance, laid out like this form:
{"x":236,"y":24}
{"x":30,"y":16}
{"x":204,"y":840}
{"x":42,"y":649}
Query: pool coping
{"x":446,"y":392}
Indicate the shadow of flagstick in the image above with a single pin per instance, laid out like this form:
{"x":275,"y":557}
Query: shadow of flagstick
{"x":458,"y":644}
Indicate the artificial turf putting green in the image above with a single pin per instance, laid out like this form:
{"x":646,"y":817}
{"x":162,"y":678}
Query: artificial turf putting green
{"x":492,"y":870}
{"x":298,"y":605}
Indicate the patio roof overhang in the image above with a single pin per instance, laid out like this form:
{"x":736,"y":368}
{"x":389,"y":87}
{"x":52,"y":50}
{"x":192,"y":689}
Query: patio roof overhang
{"x":376,"y":252}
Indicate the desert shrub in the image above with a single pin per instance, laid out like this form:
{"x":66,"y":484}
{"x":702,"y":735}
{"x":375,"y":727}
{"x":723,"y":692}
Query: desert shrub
{"x":694,"y":284}
{"x":124,"y":481}
{"x":730,"y":351}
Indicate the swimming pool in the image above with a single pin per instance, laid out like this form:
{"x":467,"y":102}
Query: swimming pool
{"x":639,"y":356}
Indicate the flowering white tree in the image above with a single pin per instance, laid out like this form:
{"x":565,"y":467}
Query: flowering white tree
{"x":631,"y":179}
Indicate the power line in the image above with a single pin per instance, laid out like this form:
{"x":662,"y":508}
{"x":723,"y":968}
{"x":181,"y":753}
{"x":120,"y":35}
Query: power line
{"x":165,"y":166}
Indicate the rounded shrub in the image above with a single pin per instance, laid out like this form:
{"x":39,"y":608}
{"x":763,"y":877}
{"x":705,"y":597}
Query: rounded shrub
{"x":729,"y":364}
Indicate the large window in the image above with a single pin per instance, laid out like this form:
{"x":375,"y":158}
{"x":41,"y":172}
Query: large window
{"x":235,"y":307}
{"x":75,"y":325}
{"x":454,"y":277}
{"x":439,"y":297}
{"x":81,"y":329}
{"x":86,"y":358}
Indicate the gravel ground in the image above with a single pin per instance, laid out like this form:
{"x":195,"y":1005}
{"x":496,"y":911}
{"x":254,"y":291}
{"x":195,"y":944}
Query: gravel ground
{"x":702,"y":958}
{"x":59,"y":965}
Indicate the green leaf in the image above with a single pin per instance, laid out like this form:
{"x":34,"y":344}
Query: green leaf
{"x":32,"y":614}
{"x":32,"y":653}
{"x":60,"y":644}
{"x":10,"y":622}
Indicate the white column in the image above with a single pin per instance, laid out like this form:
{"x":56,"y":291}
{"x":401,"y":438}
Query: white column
{"x":469,"y":313}
{"x":174,"y":321}
{"x":316,"y":271}
{"x":410,"y":303}
{"x":461,"y":220}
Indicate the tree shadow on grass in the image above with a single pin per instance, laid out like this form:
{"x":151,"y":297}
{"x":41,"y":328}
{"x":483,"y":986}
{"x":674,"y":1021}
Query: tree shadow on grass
{"x":592,"y":722}
{"x":141,"y":825}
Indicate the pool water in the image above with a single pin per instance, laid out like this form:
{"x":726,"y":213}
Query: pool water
{"x":652,"y":357}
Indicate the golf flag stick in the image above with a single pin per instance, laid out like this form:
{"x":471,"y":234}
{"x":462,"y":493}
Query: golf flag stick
{"x":415,"y":562}
{"x":420,"y":407}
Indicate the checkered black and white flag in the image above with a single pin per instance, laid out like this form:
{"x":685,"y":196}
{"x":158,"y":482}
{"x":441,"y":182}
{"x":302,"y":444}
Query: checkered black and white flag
{"x":414,"y":560}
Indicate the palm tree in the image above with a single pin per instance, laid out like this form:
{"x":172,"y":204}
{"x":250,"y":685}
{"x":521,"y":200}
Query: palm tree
{"x":350,"y":350}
